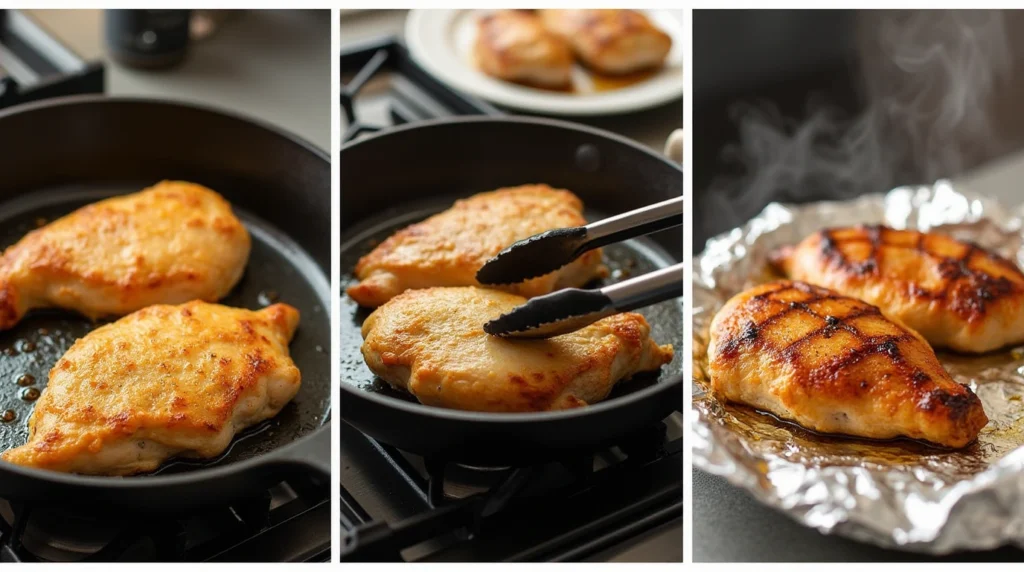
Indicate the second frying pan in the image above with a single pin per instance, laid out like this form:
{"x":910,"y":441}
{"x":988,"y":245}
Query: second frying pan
{"x":61,"y":154}
{"x":403,"y":175}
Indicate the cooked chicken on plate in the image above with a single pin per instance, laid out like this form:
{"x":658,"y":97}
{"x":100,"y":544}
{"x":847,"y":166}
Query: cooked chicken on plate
{"x":447,"y":249}
{"x":171,"y":243}
{"x":835,"y":364}
{"x":610,"y":41}
{"x":513,"y":45}
{"x":431,"y":342}
{"x":165,"y":381}
{"x":957,"y":295}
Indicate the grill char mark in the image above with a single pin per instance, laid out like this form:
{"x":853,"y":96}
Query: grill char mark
{"x":968,"y":291}
{"x":930,"y":397}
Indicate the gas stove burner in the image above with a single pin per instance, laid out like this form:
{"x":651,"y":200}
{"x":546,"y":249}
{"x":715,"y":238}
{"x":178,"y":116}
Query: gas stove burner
{"x":459,"y":481}
{"x":52,"y":537}
{"x":48,"y":534}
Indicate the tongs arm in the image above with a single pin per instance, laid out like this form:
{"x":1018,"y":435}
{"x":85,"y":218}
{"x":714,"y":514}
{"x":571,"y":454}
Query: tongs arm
{"x":639,"y":222}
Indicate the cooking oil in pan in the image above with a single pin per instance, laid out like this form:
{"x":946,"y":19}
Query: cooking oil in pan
{"x":30,"y":350}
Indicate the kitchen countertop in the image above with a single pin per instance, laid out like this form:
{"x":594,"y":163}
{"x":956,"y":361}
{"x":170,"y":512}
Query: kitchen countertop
{"x":651,"y":127}
{"x":274,"y":65}
{"x":731,"y":526}
{"x":1001,"y":179}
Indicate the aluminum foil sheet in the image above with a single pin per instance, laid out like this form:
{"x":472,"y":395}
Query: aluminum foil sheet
{"x":898,"y":494}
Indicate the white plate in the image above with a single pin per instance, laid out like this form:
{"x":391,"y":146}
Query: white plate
{"x":441,"y":42}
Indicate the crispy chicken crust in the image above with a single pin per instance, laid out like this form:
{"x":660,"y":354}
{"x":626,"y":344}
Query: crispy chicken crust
{"x":170,"y":243}
{"x":448,"y":248}
{"x":835,"y":364}
{"x":955,"y":294}
{"x":431,"y":342}
{"x":162,"y":382}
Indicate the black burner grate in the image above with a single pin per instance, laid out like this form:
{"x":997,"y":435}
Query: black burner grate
{"x":414,"y":94}
{"x":289,"y":523}
{"x":34,"y":65}
{"x":577,"y":507}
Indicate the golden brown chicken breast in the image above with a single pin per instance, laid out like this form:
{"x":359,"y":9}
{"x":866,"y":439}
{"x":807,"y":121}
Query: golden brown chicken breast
{"x":957,"y":295}
{"x":171,"y":243}
{"x":162,"y":382}
{"x":836,"y":365}
{"x":447,"y":249}
{"x":610,"y":41}
{"x":513,"y":45}
{"x":431,"y":342}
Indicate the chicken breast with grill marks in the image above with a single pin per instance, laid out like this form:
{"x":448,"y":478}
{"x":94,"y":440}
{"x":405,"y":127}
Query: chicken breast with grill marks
{"x":611,"y":41}
{"x":513,"y":45}
{"x":431,"y":343}
{"x":165,"y":381}
{"x":168,"y":244}
{"x":449,"y":248}
{"x":955,"y":294}
{"x":836,"y":365}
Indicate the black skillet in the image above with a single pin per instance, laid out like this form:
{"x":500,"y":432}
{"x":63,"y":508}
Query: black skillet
{"x":60,"y":154}
{"x":400,"y":176}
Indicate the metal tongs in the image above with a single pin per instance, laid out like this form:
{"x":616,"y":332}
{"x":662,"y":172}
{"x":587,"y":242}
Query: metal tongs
{"x":570,"y":309}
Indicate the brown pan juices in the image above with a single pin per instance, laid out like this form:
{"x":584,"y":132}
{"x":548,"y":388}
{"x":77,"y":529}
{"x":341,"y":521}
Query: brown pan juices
{"x":600,"y":83}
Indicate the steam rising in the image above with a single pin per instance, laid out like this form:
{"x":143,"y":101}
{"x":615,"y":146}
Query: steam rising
{"x":928,"y":77}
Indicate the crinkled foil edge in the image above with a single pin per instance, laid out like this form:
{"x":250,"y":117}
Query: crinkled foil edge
{"x":889,"y":508}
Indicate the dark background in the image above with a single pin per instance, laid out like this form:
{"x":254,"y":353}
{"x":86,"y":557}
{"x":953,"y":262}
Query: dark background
{"x":940,"y":92}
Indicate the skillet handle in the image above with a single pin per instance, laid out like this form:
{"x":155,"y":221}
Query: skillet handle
{"x":310,"y":455}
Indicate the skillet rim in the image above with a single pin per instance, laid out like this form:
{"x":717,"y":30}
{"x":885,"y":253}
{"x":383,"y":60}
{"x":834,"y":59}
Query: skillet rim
{"x":498,"y":418}
{"x":69,"y":100}
{"x":148,"y":481}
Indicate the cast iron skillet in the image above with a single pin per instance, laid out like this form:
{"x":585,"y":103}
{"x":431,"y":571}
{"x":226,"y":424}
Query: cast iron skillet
{"x":400,"y":176}
{"x":60,"y":154}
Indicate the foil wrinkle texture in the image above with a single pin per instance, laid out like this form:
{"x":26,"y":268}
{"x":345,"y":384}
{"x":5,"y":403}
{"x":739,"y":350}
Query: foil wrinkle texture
{"x":896,"y":494}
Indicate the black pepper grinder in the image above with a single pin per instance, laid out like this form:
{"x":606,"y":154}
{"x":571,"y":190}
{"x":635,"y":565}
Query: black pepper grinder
{"x":149,"y":39}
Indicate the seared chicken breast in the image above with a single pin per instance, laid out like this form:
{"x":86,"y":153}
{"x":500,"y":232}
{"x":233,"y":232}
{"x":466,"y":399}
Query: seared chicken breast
{"x":171,"y":243}
{"x":447,"y":249}
{"x":610,"y":41}
{"x":162,"y":382}
{"x":431,"y":342}
{"x":513,"y":45}
{"x":835,"y":364}
{"x":957,"y":295}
